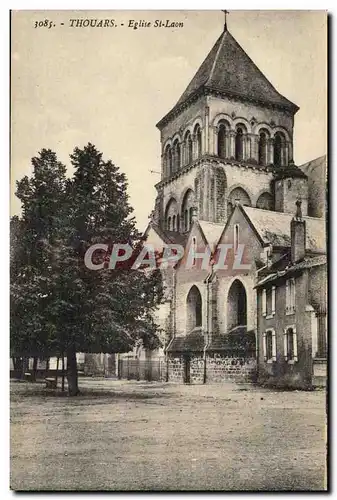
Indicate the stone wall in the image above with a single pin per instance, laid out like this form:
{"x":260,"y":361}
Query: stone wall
{"x":197,"y":370}
{"x":175,"y":369}
{"x":220,"y":368}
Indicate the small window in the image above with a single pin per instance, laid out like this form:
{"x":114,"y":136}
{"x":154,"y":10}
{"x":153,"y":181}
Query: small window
{"x":290,"y":344}
{"x":269,"y":302}
{"x":194,"y":250}
{"x":290,"y":296}
{"x":236,"y":238}
{"x":269,"y":346}
{"x":169,"y":227}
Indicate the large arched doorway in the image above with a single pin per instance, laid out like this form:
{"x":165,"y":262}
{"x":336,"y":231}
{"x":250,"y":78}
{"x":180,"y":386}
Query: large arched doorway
{"x":194,"y":309}
{"x":236,"y":305}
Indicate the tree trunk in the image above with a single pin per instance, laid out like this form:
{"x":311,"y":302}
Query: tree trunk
{"x":62,"y":372}
{"x":72,"y":373}
{"x":35,"y":360}
{"x":24,"y":367}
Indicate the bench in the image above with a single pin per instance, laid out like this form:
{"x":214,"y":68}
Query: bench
{"x":50,"y":383}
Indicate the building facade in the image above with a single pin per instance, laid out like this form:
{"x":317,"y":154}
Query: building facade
{"x":228,"y":177}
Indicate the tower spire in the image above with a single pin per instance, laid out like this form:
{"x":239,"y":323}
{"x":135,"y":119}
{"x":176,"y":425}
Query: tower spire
{"x":225,"y":25}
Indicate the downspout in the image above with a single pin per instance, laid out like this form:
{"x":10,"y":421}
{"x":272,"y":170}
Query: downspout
{"x":208,"y":281}
{"x":173,"y":305}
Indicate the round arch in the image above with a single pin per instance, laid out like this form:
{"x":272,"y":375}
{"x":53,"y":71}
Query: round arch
{"x":282,"y":131}
{"x":186,"y":206}
{"x":222,"y":117}
{"x":236,"y":305}
{"x":265,"y":201}
{"x":193,"y":309}
{"x":242,"y":122}
{"x":242,"y":193}
{"x":171,"y":215}
{"x":256,"y":129}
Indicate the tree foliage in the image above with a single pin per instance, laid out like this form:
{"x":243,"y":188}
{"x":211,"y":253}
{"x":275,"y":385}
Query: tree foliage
{"x":58,"y":305}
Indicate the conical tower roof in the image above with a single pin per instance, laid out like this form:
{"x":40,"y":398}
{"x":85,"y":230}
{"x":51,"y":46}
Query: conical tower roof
{"x":229,"y":72}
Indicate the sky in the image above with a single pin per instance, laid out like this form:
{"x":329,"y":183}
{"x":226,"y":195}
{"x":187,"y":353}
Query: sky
{"x":110,"y":86}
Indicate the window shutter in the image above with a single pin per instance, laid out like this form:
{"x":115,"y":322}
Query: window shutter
{"x":295,"y":344}
{"x":287,"y":295}
{"x":285,"y":344}
{"x":293,"y":294}
{"x":264,"y":302}
{"x":264,"y":346}
{"x":273,"y":299}
{"x":273,"y":345}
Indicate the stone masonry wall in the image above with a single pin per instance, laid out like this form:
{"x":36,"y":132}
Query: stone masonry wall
{"x":175,"y":370}
{"x":197,"y":370}
{"x":221,"y":368}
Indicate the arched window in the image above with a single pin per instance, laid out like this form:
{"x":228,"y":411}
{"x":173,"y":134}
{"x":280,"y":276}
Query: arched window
{"x":262,"y":148}
{"x":190,"y":216}
{"x":239,"y":195}
{"x":188,"y":148}
{"x":171,"y":211}
{"x":222,"y":141}
{"x":278,"y":147}
{"x":168,"y":161}
{"x":236,"y":238}
{"x":194,"y":309}
{"x":176,"y":155}
{"x":265,"y":201}
{"x":236,"y":305}
{"x":239,"y":144}
{"x":186,"y":213}
{"x":197,"y":134}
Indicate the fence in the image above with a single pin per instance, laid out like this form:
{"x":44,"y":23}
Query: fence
{"x":136,"y":369}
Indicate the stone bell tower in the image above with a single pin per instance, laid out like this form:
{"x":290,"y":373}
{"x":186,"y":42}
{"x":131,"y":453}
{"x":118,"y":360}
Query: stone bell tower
{"x":225,"y":139}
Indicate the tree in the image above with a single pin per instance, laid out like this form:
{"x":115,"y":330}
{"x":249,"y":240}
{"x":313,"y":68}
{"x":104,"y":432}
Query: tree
{"x":81,"y":309}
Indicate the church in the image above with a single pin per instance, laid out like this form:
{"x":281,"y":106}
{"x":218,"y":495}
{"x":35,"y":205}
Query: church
{"x":228,"y":177}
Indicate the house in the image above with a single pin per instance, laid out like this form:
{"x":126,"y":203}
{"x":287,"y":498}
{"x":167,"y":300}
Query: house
{"x":292,"y":311}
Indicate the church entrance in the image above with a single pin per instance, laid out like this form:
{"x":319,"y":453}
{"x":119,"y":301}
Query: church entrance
{"x":236,"y":305}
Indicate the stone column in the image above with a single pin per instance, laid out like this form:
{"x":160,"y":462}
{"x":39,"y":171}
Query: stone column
{"x":212,"y":140}
{"x":254,"y":147}
{"x":270,"y":151}
{"x":205,"y":148}
{"x":232,"y":135}
{"x":290,"y":151}
{"x":194,"y":147}
{"x":248,"y":151}
{"x":286,"y":153}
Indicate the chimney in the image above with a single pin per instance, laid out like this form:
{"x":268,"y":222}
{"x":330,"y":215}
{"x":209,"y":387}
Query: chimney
{"x":298,"y":234}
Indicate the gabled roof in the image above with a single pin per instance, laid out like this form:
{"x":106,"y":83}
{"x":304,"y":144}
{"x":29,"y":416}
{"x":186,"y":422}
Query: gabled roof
{"x":306,"y":263}
{"x":274,"y":228}
{"x":227,"y":69}
{"x":211,"y":231}
{"x":168,"y":237}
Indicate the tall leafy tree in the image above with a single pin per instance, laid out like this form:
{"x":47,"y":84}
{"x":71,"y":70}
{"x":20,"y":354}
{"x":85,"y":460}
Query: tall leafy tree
{"x":86,"y":310}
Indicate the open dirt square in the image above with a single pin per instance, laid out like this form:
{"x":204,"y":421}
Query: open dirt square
{"x":123,"y":435}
